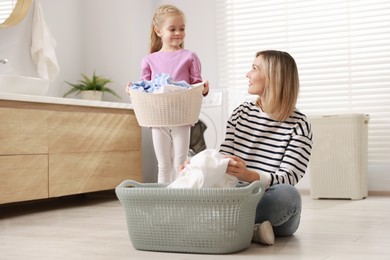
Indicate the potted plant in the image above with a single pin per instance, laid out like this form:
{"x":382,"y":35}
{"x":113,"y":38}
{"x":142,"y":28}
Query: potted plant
{"x":91,"y":88}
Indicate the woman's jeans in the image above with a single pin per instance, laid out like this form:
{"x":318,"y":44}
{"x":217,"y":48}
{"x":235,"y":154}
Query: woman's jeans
{"x":281,"y":205}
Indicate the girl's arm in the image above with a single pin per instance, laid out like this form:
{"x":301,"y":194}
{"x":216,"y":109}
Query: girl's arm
{"x":195,"y":69}
{"x":146,"y":72}
{"x":196,"y":73}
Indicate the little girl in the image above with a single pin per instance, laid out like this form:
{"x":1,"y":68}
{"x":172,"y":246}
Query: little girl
{"x":167,"y":55}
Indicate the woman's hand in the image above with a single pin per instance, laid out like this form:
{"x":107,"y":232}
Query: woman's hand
{"x":237,"y":167}
{"x":183,"y":166}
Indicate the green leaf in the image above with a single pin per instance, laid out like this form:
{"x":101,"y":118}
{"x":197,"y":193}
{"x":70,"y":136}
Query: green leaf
{"x":95,"y":83}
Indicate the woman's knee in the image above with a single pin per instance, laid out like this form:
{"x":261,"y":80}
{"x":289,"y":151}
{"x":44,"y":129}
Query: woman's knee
{"x":279,"y":203}
{"x":281,"y":194}
{"x":286,"y":192}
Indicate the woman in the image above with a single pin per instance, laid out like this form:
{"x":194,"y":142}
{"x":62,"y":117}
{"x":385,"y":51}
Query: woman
{"x":270,"y":140}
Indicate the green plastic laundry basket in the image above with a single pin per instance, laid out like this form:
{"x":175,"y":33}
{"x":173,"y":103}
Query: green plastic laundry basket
{"x":209,"y":220}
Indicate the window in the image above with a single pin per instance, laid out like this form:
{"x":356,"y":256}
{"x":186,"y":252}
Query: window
{"x":342,"y":49}
{"x":6,"y":8}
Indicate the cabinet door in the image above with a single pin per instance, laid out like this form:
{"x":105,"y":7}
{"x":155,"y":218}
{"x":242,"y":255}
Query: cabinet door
{"x":23,"y":131}
{"x":23,"y":177}
{"x":75,"y":173}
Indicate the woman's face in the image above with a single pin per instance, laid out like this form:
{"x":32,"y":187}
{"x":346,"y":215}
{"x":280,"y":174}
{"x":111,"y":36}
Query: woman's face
{"x":172,"y":32}
{"x":256,"y":76}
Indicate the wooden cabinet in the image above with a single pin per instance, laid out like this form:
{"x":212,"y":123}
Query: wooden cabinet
{"x":50,"y":150}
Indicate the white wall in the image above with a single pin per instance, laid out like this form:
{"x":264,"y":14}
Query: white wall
{"x":15,"y":42}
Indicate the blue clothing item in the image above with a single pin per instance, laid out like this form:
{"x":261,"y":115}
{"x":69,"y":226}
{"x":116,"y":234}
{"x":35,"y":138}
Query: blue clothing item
{"x":281,"y":205}
{"x":160,"y":80}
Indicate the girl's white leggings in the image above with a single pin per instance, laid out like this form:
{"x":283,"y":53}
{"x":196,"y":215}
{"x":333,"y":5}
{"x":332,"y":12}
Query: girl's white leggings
{"x":171,"y":145}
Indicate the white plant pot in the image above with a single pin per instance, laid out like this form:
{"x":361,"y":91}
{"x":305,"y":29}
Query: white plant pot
{"x":92,"y":95}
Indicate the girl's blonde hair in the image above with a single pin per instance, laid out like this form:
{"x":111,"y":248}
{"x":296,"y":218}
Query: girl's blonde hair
{"x":282,"y":84}
{"x":161,"y":14}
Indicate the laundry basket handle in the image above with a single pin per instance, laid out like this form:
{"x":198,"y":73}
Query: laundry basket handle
{"x":257,"y":189}
{"x":129,"y":183}
{"x":136,"y":184}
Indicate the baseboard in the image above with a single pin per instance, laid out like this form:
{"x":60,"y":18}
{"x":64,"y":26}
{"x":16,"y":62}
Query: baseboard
{"x":378,"y":193}
{"x":306,"y":192}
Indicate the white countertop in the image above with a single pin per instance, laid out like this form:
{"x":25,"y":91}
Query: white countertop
{"x":64,"y":101}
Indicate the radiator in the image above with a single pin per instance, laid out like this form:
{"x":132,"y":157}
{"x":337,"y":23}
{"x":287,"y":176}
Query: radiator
{"x":338,"y":165}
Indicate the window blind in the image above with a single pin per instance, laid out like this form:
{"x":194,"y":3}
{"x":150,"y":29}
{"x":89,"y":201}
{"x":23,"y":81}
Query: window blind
{"x":342,"y":49}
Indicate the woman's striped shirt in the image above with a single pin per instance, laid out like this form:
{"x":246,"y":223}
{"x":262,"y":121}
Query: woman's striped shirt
{"x":278,"y":151}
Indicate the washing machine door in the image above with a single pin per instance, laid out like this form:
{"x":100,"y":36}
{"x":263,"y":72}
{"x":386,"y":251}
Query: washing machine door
{"x":204,"y":135}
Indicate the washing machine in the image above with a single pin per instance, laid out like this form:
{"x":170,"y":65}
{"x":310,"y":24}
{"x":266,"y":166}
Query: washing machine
{"x":209,"y":131}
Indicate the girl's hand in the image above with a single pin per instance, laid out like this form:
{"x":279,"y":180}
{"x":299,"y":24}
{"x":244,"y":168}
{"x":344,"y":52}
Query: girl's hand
{"x":128,"y":88}
{"x":205,"y":88}
{"x":237,"y":167}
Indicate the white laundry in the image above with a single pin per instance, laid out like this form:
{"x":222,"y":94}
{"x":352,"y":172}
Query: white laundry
{"x":42,"y":47}
{"x":206,"y":169}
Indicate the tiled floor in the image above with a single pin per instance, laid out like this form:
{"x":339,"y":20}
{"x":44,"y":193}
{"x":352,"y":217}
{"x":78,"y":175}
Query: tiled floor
{"x":94,"y":227}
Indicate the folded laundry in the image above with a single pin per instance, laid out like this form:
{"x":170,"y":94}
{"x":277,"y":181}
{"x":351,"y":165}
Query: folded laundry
{"x":161,"y":83}
{"x":206,"y":169}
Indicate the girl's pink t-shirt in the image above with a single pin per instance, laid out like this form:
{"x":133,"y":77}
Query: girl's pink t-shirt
{"x":180,"y":65}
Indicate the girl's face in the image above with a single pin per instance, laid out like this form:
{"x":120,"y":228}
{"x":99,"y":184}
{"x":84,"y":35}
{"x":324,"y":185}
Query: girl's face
{"x":256,"y":76}
{"x":172,"y":32}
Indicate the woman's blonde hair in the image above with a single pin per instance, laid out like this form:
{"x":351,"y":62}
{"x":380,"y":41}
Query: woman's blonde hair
{"x":161,"y":14}
{"x":282,"y":84}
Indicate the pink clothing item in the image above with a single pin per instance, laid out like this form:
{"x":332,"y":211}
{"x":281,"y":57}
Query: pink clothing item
{"x":180,"y":65}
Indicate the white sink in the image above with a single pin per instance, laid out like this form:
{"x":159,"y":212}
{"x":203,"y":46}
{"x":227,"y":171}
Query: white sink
{"x":23,"y":85}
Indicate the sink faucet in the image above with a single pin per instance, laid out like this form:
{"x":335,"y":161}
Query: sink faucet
{"x":4,"y":61}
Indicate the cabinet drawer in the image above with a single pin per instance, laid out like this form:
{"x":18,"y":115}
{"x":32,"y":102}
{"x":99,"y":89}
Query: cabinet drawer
{"x":23,"y":131}
{"x":23,"y":177}
{"x":87,"y":172}
{"x":71,"y":132}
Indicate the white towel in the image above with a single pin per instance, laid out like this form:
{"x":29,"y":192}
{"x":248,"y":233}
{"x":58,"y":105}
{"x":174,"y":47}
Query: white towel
{"x":206,"y":169}
{"x":42,"y":47}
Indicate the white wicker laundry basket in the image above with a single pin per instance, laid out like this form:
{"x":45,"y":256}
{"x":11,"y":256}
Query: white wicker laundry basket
{"x":167,"y":109}
{"x":209,"y":220}
{"x":338,"y":165}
